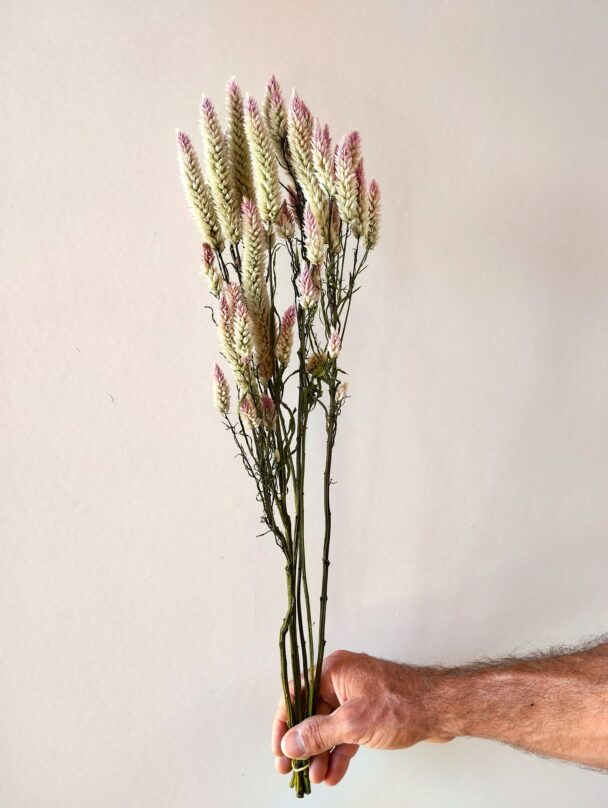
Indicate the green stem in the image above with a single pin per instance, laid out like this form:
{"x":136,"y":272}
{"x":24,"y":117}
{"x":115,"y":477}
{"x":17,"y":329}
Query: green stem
{"x":331,"y":427}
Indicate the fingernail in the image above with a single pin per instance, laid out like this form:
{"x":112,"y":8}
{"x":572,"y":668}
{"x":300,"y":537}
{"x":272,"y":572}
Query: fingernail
{"x":292,"y":744}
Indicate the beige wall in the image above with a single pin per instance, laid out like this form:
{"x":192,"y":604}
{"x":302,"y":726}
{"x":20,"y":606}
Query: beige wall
{"x":138,"y":612}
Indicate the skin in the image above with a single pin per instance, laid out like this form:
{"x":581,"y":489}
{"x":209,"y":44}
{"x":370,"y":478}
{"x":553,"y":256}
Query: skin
{"x":555,"y":705}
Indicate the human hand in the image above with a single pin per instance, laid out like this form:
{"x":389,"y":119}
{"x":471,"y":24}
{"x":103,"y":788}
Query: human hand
{"x":363,"y":701}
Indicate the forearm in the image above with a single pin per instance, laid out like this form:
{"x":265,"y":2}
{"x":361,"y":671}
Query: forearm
{"x":556,"y":706}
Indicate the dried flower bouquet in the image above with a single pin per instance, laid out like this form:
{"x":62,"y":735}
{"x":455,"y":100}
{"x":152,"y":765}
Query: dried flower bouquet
{"x":323,"y":226}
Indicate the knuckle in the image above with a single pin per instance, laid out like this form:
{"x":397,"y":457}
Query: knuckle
{"x":337,"y":657}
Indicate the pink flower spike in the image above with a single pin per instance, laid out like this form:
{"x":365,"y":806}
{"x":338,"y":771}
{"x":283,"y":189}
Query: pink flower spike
{"x":251,"y":105}
{"x":354,"y":141}
{"x":249,"y":413}
{"x":335,"y":344}
{"x":374,"y":209}
{"x":308,"y":290}
{"x":269,"y":412}
{"x":208,"y":255}
{"x":285,"y":224}
{"x":249,"y":209}
{"x":315,"y":247}
{"x":183,"y":141}
{"x":207,"y":107}
{"x":299,"y":110}
{"x":274,"y":89}
{"x":221,"y":391}
{"x":285,"y":338}
{"x":289,"y":317}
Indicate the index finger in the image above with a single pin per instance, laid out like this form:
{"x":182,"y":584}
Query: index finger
{"x":279,"y":726}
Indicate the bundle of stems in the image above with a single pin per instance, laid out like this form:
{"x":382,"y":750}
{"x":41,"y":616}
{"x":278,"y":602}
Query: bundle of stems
{"x":275,"y":191}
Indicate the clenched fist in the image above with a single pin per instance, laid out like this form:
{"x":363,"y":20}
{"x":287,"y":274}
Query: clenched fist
{"x":364,"y":701}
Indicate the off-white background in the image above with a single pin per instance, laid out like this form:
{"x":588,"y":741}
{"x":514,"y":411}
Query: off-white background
{"x":138,"y":612}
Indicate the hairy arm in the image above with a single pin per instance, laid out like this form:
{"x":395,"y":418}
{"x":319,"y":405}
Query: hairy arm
{"x":555,"y":705}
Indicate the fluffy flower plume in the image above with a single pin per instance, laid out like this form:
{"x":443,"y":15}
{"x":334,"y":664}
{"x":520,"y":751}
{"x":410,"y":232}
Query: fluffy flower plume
{"x":225,"y":330}
{"x":354,"y":141}
{"x":236,"y":293}
{"x":243,"y":342}
{"x":254,"y":287}
{"x":197,"y":193}
{"x":230,"y":300}
{"x":218,"y":170}
{"x":335,"y":344}
{"x":360,"y":225}
{"x":371,"y":239}
{"x":249,"y":413}
{"x":285,"y":338}
{"x":210,"y":270}
{"x":322,"y":156}
{"x":238,"y":152}
{"x":221,"y":391}
{"x":275,"y":115}
{"x":265,"y":169}
{"x":346,"y":182}
{"x":269,"y":411}
{"x":285,"y":224}
{"x":299,"y":134}
{"x":315,"y":247}
{"x":309,"y":292}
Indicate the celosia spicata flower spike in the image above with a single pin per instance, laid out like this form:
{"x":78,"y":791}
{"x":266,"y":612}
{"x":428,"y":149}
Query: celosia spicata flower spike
{"x":254,"y":287}
{"x":360,"y":224}
{"x":335,"y":344}
{"x":269,"y":411}
{"x":243,"y":343}
{"x":236,"y":293}
{"x":322,"y":156}
{"x":198,"y":194}
{"x":346,"y":182}
{"x":285,"y":225}
{"x":210,"y":270}
{"x":221,"y":391}
{"x":354,"y":141}
{"x":315,"y":247}
{"x":249,"y":413}
{"x":285,"y":338}
{"x":225,"y":331}
{"x":238,"y":151}
{"x":218,"y":169}
{"x":309,"y":292}
{"x":275,"y":115}
{"x":299,"y":135}
{"x":371,"y":239}
{"x":265,"y":169}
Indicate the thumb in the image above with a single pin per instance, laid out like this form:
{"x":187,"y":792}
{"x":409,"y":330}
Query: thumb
{"x":314,"y":735}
